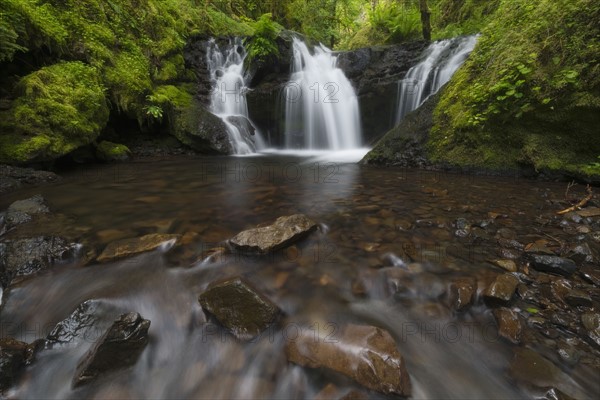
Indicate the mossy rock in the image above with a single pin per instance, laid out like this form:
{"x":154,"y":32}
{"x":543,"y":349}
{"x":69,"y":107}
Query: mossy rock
{"x":199,"y":129}
{"x":59,"y":108}
{"x":109,"y":151}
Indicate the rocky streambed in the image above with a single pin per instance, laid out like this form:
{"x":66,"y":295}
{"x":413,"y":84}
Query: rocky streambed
{"x":282,"y":277}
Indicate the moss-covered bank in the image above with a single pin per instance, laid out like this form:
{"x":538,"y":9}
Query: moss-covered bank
{"x":529,"y":95}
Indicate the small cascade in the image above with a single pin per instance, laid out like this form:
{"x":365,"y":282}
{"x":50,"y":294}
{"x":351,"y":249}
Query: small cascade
{"x":228,"y":98}
{"x":442,"y":60}
{"x":321,"y":107}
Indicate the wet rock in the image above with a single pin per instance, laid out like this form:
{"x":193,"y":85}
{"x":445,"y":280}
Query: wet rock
{"x":119,"y":348}
{"x":12,"y":178}
{"x":581,"y":253}
{"x":591,"y":322}
{"x":553,"y":264}
{"x":578,"y":297}
{"x":510,"y":244}
{"x":13,"y":359}
{"x":86,"y":323}
{"x":568,"y":353}
{"x":284,"y":231}
{"x":366,"y":354}
{"x":461,"y":292}
{"x":510,"y":254}
{"x":590,"y":274}
{"x":238,"y":306}
{"x":507,"y":265}
{"x":24,"y":257}
{"x":130,"y":247}
{"x":509,"y":324}
{"x":501,"y":290}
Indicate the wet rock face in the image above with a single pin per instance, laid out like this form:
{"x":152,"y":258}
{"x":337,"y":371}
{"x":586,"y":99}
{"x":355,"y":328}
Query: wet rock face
{"x":531,"y":368}
{"x":553,"y":264}
{"x":238,"y":306}
{"x":86,"y":323}
{"x":130,"y":247}
{"x":366,"y":354}
{"x":501,"y":290}
{"x":22,"y":211}
{"x":13,"y":358}
{"x":119,"y":348}
{"x":23,"y":257}
{"x":284,"y":231}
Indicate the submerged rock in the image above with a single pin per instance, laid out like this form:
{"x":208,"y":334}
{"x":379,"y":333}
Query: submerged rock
{"x":12,"y":178}
{"x":130,"y":247}
{"x":238,"y":306}
{"x":366,"y":354}
{"x":24,"y":257}
{"x":22,"y":211}
{"x":501,"y":290}
{"x":553,"y":264}
{"x":591,"y":322}
{"x":284,"y":231}
{"x":13,"y":359}
{"x":119,"y":348}
{"x":529,"y":367}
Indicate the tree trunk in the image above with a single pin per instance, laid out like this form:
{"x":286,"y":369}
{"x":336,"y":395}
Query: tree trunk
{"x":425,"y":19}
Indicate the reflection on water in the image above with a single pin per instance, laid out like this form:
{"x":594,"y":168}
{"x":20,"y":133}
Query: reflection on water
{"x":389,"y":229}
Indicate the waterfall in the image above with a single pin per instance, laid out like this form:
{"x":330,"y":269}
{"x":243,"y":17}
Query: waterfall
{"x":228,"y":98}
{"x":442,"y":60}
{"x":321,"y":107}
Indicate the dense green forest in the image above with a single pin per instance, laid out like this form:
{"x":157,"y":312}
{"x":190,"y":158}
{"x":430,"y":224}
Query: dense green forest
{"x":68,"y":66}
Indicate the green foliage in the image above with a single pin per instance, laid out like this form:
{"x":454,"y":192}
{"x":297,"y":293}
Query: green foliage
{"x":262,"y":46}
{"x":530,"y":91}
{"x":60,"y":108}
{"x":399,"y":21}
{"x":451,"y":18}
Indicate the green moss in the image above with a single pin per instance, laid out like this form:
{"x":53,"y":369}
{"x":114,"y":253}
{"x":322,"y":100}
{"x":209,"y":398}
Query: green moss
{"x":60,"y":108}
{"x":529,"y":94}
{"x":109,"y":151}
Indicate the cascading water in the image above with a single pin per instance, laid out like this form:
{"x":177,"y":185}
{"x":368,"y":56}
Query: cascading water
{"x":442,"y":60}
{"x":321,"y":107}
{"x":228,"y":99}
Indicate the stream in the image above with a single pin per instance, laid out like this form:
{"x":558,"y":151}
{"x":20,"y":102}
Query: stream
{"x":385,"y":252}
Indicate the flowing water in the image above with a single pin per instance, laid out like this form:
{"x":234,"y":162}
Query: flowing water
{"x":391,"y":229}
{"x":321,"y":107}
{"x":228,"y":98}
{"x":442,"y":59}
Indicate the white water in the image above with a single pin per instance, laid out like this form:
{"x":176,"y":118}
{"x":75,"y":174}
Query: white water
{"x":321,"y":107}
{"x":228,"y":98}
{"x":443,"y":59}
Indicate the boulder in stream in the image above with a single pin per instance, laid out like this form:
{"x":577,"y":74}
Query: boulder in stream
{"x":119,"y":348}
{"x":240,"y":307}
{"x":13,"y":358}
{"x":12,"y":178}
{"x":133,"y":246}
{"x":509,"y":324}
{"x":366,"y":354}
{"x":284,"y":231}
{"x":24,"y":257}
{"x":461,"y":293}
{"x":22,"y":211}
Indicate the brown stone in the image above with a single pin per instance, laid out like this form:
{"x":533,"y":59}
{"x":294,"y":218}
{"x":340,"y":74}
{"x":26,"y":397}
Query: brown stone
{"x":130,"y":247}
{"x":366,"y":354}
{"x":507,"y":265}
{"x":501,"y":290}
{"x":284,"y":231}
{"x":509,"y":324}
{"x":461,"y":293}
